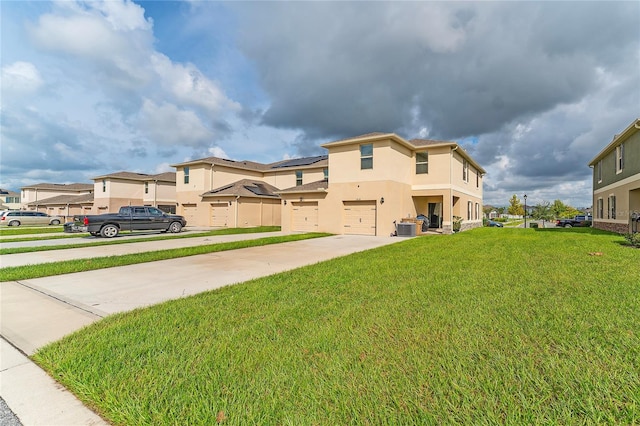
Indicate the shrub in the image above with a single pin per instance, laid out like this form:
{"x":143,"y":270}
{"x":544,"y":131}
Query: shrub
{"x":633,"y":239}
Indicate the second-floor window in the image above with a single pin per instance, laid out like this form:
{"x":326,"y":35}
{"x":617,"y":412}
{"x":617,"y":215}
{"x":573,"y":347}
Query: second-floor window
{"x":186,"y":175}
{"x":422,"y":163}
{"x":619,"y":158}
{"x":146,"y":187}
{"x":600,"y":172}
{"x":465,"y":170}
{"x":366,"y":156}
{"x":104,"y":185}
{"x":325,"y":172}
{"x":298,"y":177}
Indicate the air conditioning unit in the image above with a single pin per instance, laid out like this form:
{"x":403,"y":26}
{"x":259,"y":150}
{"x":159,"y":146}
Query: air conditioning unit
{"x":406,"y":229}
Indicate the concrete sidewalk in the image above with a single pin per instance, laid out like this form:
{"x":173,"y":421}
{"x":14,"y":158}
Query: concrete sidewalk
{"x":38,"y":311}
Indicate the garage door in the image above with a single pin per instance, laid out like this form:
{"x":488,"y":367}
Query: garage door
{"x":189,"y":212}
{"x":305,"y":216}
{"x":219,"y":215}
{"x":359,"y":217}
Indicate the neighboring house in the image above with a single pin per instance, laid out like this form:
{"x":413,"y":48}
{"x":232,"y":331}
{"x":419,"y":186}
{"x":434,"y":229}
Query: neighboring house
{"x":65,"y":206}
{"x":616,"y":182}
{"x":119,"y":189}
{"x":214,"y":191}
{"x":34,"y":197}
{"x":9,"y":200}
{"x":377,"y":179}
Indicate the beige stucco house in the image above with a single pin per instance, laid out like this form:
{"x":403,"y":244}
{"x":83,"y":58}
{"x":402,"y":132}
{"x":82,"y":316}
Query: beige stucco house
{"x":377,"y":179}
{"x":58,"y":199}
{"x":218,"y":192}
{"x":616,"y":182}
{"x":9,"y":200}
{"x":115,"y":190}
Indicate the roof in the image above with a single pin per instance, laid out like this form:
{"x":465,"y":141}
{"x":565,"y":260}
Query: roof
{"x":76,"y":187}
{"x":64,"y":199}
{"x":413,"y":144}
{"x":316,"y":161}
{"x":617,"y":140}
{"x":245,"y":188}
{"x":9,"y":192}
{"x":143,"y":177}
{"x":318,"y":186}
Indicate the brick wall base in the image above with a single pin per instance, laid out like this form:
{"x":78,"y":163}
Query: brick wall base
{"x":620,"y":228}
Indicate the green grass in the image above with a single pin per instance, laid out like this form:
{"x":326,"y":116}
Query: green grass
{"x":130,"y":239}
{"x":17,"y":273}
{"x":30,"y":230}
{"x":489,"y":326}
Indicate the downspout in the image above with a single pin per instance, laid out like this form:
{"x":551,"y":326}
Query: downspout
{"x":451,"y":187}
{"x":155,"y":193}
{"x":237,"y":198}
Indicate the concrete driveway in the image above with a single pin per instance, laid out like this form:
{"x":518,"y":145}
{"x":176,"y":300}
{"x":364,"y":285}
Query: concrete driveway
{"x":38,"y":311}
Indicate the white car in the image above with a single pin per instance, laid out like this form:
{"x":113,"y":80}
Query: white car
{"x":21,"y":217}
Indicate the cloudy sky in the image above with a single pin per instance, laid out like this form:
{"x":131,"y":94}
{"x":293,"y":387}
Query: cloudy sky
{"x":533,"y":90}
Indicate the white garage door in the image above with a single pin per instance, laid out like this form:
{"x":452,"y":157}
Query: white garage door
{"x":359,"y":217}
{"x":305,"y":216}
{"x":219,"y":215}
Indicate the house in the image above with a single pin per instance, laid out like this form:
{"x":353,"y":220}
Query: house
{"x":39,"y":197}
{"x":9,"y":200}
{"x":65,"y":206}
{"x":115,"y":190}
{"x":378,"y":179}
{"x":215,"y":191}
{"x":616,"y":182}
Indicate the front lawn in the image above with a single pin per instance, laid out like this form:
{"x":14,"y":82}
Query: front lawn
{"x":489,"y":326}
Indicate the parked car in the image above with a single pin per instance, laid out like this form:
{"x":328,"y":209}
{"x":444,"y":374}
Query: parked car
{"x":22,"y":217}
{"x":493,"y":223}
{"x":580,"y":220}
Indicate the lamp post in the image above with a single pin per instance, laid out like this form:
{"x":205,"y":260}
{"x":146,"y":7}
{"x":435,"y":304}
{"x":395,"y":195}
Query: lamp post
{"x":525,"y":211}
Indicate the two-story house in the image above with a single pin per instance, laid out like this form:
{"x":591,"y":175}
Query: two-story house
{"x":218,"y":192}
{"x":616,"y":182}
{"x":115,"y":190}
{"x":9,"y":200}
{"x":58,"y":199}
{"x":380,"y":178}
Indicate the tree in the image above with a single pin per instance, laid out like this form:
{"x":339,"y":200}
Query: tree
{"x":515,"y":207}
{"x":542,"y":211}
{"x":562,"y":210}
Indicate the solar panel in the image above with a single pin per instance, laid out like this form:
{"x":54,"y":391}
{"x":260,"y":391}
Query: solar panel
{"x":305,"y":161}
{"x":259,"y":189}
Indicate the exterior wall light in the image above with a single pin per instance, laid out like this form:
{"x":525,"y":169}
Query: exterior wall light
{"x":381,"y":200}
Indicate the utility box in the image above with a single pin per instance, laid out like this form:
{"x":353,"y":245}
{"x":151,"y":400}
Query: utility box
{"x":406,"y":229}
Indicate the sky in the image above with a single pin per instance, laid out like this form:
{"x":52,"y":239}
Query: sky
{"x":532,"y":90}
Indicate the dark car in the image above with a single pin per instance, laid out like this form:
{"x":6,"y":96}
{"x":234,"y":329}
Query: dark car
{"x":493,"y":223}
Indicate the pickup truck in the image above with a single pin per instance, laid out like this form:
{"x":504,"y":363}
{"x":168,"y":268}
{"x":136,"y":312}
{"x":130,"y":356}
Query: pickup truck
{"x":580,"y":220}
{"x":129,"y":218}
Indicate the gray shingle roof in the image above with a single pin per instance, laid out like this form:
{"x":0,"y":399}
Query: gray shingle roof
{"x":165,"y":177}
{"x":64,"y":199}
{"x":77,"y":187}
{"x":318,"y":186}
{"x":245,"y":188}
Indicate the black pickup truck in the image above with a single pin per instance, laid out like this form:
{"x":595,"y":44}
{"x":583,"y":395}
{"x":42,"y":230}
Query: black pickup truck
{"x":129,"y":218}
{"x":580,"y":220}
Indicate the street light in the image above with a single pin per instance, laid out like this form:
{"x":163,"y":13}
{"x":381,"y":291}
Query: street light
{"x":525,"y":211}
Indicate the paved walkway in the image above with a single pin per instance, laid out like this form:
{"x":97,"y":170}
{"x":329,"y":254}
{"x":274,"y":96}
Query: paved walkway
{"x":38,"y":311}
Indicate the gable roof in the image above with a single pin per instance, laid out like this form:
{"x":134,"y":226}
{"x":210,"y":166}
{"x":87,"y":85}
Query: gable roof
{"x":302,"y":162}
{"x":64,"y":199}
{"x":318,"y":186}
{"x":71,"y":187}
{"x":143,"y":177}
{"x":617,"y":140}
{"x":245,"y":188}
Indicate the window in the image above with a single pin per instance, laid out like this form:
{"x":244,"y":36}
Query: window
{"x":477,"y":179}
{"x":326,"y":173}
{"x":600,"y":209}
{"x":155,"y":212}
{"x":422,"y":163}
{"x":469,"y":206}
{"x":465,"y":170}
{"x":477,"y":211}
{"x":146,"y":187}
{"x":298,"y":177}
{"x":599,"y":171}
{"x":619,"y":158}
{"x":186,"y":175}
{"x":104,"y":185}
{"x":611,"y":207}
{"x":366,"y":156}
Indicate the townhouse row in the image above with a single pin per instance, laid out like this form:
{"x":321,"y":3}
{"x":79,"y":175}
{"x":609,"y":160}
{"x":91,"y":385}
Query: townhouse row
{"x":363,"y":185}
